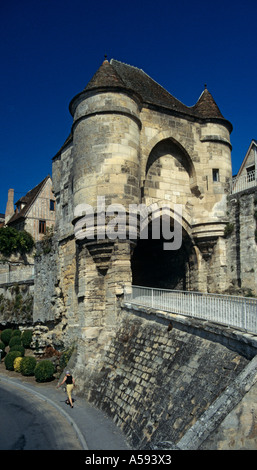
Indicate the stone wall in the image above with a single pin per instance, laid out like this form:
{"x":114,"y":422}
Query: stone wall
{"x":16,"y":290}
{"x":156,"y":383}
{"x":16,"y":303}
{"x":241,"y":243}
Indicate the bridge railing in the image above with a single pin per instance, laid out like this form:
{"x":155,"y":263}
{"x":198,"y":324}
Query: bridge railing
{"x":234,"y":311}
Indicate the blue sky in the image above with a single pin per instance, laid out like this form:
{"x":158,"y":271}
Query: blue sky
{"x":50,"y":49}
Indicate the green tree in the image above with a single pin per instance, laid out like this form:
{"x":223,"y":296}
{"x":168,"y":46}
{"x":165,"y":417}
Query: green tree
{"x":14,"y":241}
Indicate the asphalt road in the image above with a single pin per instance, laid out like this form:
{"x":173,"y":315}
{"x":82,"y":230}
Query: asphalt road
{"x":29,"y":423}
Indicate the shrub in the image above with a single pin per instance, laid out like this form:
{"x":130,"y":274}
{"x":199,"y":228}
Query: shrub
{"x":228,"y":230}
{"x":17,"y":364}
{"x":2,"y":346}
{"x":28,"y":365}
{"x":65,"y":357}
{"x":18,"y":347}
{"x":6,"y":336}
{"x":26,"y":338}
{"x":44,"y":371}
{"x":9,"y":359}
{"x":14,"y":341}
{"x":16,"y":333}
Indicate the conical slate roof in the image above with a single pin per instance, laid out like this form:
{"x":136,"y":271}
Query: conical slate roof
{"x":206,"y":106}
{"x":115,"y":74}
{"x":106,"y":76}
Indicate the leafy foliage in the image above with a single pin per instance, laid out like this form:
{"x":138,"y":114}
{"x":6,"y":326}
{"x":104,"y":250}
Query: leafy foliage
{"x":28,"y":365}
{"x":2,"y":347}
{"x":6,"y":336}
{"x":18,"y":347}
{"x":26,"y":338}
{"x":14,"y":341}
{"x":14,"y":241}
{"x":65,"y":357}
{"x":44,"y":371}
{"x":16,"y":333}
{"x":228,"y":230}
{"x":17,"y":364}
{"x":9,"y":359}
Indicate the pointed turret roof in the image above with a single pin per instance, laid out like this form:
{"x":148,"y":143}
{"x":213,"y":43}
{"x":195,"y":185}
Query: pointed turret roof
{"x":206,"y":106}
{"x":115,"y":74}
{"x":106,"y":76}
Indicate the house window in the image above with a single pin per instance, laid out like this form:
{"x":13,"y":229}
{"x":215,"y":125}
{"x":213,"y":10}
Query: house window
{"x":52,"y":205}
{"x":215,"y":175}
{"x":250,"y":171}
{"x":42,"y":226}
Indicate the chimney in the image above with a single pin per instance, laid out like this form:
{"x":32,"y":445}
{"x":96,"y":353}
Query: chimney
{"x":9,"y":211}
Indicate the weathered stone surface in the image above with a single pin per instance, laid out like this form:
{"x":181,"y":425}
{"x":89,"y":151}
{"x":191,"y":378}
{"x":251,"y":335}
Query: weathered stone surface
{"x":241,"y":243}
{"x":156,"y":384}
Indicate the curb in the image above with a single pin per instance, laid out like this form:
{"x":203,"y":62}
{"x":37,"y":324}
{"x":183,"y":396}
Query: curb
{"x":57,"y":407}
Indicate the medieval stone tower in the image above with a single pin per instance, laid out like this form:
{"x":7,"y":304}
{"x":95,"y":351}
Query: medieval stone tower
{"x":133,"y":143}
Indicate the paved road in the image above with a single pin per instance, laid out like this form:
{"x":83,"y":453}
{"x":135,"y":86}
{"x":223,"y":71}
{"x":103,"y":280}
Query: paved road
{"x":28,"y":423}
{"x":35,"y":416}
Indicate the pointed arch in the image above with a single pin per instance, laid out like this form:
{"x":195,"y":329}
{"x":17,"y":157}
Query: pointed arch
{"x":162,"y":142}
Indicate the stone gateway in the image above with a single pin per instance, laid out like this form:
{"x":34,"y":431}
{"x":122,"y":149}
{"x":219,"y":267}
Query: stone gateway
{"x":133,"y":143}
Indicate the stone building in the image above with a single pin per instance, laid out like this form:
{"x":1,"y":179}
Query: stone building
{"x":242,"y":236}
{"x":132,"y":142}
{"x":34,"y":212}
{"x":247,"y":175}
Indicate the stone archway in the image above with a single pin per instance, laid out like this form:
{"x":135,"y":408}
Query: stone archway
{"x":152,"y":266}
{"x":169,"y":173}
{"x":165,"y":156}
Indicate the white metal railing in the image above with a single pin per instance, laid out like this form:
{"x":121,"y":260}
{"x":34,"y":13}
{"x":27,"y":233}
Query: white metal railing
{"x":244,"y":182}
{"x":235,"y":311}
{"x":17,"y":275}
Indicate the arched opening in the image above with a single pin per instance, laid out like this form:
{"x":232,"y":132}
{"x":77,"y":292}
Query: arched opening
{"x":169,"y":173}
{"x":152,"y":266}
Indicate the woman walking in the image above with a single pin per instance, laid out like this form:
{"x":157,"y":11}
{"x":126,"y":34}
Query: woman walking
{"x":70,"y":383}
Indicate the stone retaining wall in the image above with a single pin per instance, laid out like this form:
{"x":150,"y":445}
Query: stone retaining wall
{"x":156,"y":383}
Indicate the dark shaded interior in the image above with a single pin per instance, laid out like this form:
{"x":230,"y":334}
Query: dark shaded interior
{"x":152,"y":266}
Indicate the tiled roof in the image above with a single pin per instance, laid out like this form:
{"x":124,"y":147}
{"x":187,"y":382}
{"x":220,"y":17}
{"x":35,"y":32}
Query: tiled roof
{"x":119,"y":75}
{"x":28,"y":200}
{"x":206,"y":106}
{"x":106,"y":75}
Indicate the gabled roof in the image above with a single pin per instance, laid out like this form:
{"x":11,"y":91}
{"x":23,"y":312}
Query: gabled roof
{"x":115,"y":74}
{"x":253,"y":143}
{"x":28,"y":200}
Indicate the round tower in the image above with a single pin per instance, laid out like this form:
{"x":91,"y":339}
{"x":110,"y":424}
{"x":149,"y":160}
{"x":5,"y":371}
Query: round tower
{"x":106,"y":134}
